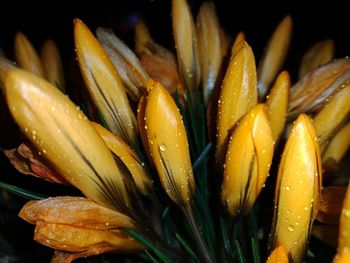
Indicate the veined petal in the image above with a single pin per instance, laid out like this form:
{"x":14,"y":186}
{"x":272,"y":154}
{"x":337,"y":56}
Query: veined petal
{"x":74,"y":239}
{"x":5,"y":65}
{"x":125,"y":62}
{"x":127,"y":156}
{"x":77,"y":212}
{"x":278,"y":255}
{"x":339,"y":145}
{"x":240,"y":37}
{"x":51,"y":59}
{"x":317,"y":55}
{"x":209,"y":44}
{"x":297,"y":194}
{"x":344,"y":226}
{"x":26,"y":56}
{"x":168,"y":145}
{"x":328,"y":121}
{"x":186,"y":43}
{"x":142,"y":37}
{"x":248,"y":161}
{"x":141,"y":121}
{"x":238,"y":95}
{"x":277,"y":103}
{"x":65,"y":137}
{"x":275,"y":55}
{"x":104,"y":84}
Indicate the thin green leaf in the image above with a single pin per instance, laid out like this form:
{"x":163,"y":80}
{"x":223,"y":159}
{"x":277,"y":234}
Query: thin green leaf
{"x":240,"y":252}
{"x":255,"y":249}
{"x":203,"y":156}
{"x":148,"y":245}
{"x":21,"y":192}
{"x":187,"y":247}
{"x":151,"y":257}
{"x":226,"y":241}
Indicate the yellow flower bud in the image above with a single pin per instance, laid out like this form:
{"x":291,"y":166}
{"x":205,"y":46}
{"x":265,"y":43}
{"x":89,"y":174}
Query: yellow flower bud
{"x":339,"y":145}
{"x":344,"y":226}
{"x":278,"y":255}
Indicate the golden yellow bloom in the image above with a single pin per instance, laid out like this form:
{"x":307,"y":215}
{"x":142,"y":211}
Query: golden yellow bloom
{"x":4,"y":66}
{"x":277,"y":103}
{"x":240,"y":37}
{"x":168,"y":144}
{"x":64,"y":136}
{"x":317,"y":55}
{"x":127,"y":156}
{"x":278,"y":255}
{"x":345,"y":258}
{"x":238,"y":95}
{"x":104,"y":84}
{"x":328,"y":121}
{"x":275,"y":55}
{"x":186,"y":44}
{"x":51,"y":59}
{"x":338,"y":145}
{"x":344,"y":227}
{"x":209,"y":43}
{"x":297,"y":194}
{"x":248,"y":162}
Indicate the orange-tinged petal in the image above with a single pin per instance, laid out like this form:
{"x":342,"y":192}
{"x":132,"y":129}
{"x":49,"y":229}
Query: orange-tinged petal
{"x":209,"y":43}
{"x":330,"y":119}
{"x":345,"y":258}
{"x":127,"y":156}
{"x":238,"y":95}
{"x":275,"y":55}
{"x":186,"y":43}
{"x":277,"y":103}
{"x":344,"y":226}
{"x":51,"y":59}
{"x":61,"y":131}
{"x":168,"y":145}
{"x":104,"y":84}
{"x":278,"y":255}
{"x":26,"y":56}
{"x":317,"y":55}
{"x":339,"y":145}
{"x":297,"y":194}
{"x":77,"y":212}
{"x":74,"y":239}
{"x":248,"y":162}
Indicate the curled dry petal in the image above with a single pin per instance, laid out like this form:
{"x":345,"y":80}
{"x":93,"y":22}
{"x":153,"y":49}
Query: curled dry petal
{"x":51,"y":59}
{"x":63,"y":134}
{"x":238,"y":95}
{"x":344,"y":226}
{"x":275,"y":55}
{"x":104,"y":84}
{"x":337,"y":110}
{"x":142,"y":37}
{"x":209,"y":44}
{"x":125,"y":62}
{"x":278,"y":255}
{"x":26,"y":56}
{"x":317,"y":55}
{"x":331,"y":204}
{"x":297,"y":193}
{"x":186,"y":44}
{"x":248,"y":161}
{"x":77,"y":212}
{"x":338,"y":146}
{"x":73,"y":239}
{"x":168,"y":144}
{"x":311,"y":92}
{"x":127,"y":156}
{"x":277,"y":103}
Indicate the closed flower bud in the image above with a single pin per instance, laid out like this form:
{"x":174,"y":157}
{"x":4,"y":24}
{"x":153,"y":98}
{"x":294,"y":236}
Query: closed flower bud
{"x":278,"y":255}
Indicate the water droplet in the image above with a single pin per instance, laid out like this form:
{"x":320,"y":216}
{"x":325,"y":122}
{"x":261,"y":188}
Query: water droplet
{"x":162,"y":147}
{"x":287,"y":188}
{"x":290,"y":228}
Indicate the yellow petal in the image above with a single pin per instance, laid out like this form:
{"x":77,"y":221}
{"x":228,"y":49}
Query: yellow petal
{"x":240,"y":37}
{"x":344,"y":226}
{"x":186,"y":43}
{"x":330,"y":119}
{"x":26,"y":56}
{"x":64,"y":136}
{"x":248,"y":162}
{"x":125,"y":62}
{"x":141,"y":121}
{"x":168,"y":145}
{"x":127,"y":156}
{"x":74,"y":211}
{"x":104,"y":84}
{"x":209,"y":44}
{"x":345,"y":258}
{"x":74,"y":239}
{"x":275,"y":55}
{"x":339,"y":145}
{"x":317,"y":55}
{"x":238,"y":95}
{"x":297,"y":194}
{"x":277,"y":103}
{"x":5,"y":65}
{"x":51,"y":59}
{"x":142,"y":37}
{"x":278,"y":255}
{"x":225,"y":42}
{"x":311,"y":92}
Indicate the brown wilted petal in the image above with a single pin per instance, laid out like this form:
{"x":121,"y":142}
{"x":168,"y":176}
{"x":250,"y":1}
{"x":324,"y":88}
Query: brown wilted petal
{"x":67,"y":257}
{"x":331,"y":204}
